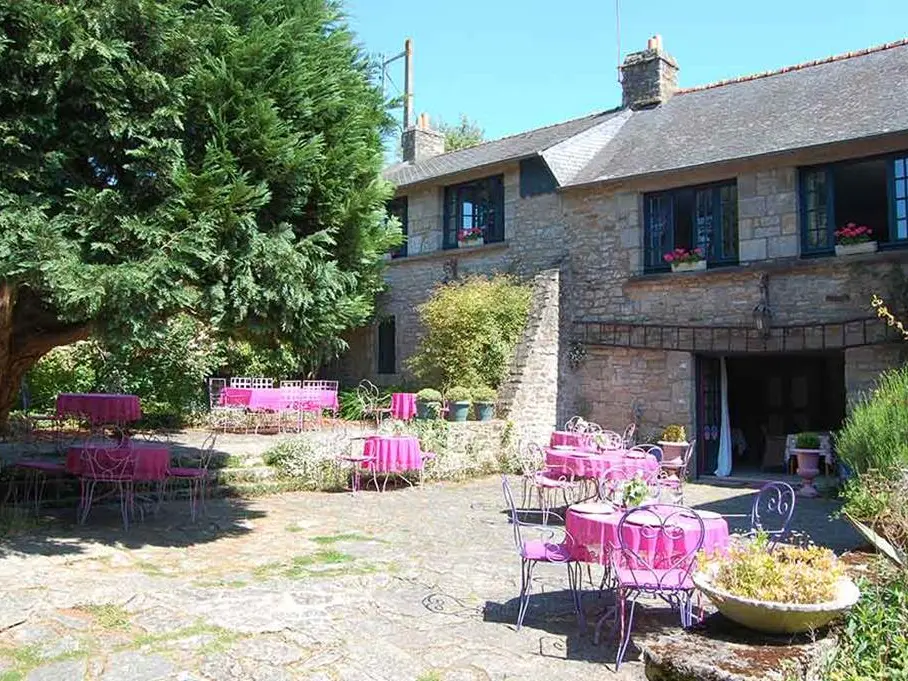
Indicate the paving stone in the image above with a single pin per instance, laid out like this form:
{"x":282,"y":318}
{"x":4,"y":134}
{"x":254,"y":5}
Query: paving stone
{"x":135,"y":666}
{"x":66,"y":670}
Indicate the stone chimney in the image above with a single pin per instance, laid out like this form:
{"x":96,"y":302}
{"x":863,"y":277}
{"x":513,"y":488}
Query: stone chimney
{"x":650,"y":77}
{"x":421,"y":141}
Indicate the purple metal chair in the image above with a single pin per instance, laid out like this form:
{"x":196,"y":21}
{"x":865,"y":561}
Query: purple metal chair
{"x":535,"y":551}
{"x":657,"y":551}
{"x":655,"y":450}
{"x":772,"y":510}
{"x":106,"y":462}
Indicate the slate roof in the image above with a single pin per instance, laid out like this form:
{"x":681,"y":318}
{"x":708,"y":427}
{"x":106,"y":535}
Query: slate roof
{"x":846,"y":97}
{"x":511,"y":148}
{"x":840,"y":99}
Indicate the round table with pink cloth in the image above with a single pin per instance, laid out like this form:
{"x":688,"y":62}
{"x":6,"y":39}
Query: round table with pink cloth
{"x":100,"y":408}
{"x":392,"y":453}
{"x":152,"y":459}
{"x":595,"y":536}
{"x":566,"y":438}
{"x":403,"y":406}
{"x":603,"y":465}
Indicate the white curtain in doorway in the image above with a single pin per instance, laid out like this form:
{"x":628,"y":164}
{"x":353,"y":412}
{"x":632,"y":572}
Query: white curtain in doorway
{"x":724,"y":468}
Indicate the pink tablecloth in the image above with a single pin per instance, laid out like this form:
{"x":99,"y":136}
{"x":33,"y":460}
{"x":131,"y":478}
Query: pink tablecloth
{"x":596,"y":536}
{"x":579,"y":440}
{"x":100,"y":408}
{"x":152,"y":459}
{"x":403,"y":406}
{"x":277,"y":399}
{"x":609,"y":464}
{"x":393,"y":453}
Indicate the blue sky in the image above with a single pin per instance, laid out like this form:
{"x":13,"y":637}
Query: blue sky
{"x":513,"y":65}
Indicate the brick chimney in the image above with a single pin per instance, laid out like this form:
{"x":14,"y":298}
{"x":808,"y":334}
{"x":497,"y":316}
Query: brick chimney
{"x":421,"y":141}
{"x":650,"y":77}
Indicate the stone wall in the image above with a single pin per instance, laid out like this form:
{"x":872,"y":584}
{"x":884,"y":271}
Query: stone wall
{"x":529,"y":396}
{"x":864,"y":365}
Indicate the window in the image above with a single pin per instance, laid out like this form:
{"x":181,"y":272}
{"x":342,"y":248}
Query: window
{"x":692,"y":217}
{"x":387,"y":346}
{"x":872,"y":192}
{"x":535,"y":177}
{"x":475,"y":205}
{"x":397,"y":207}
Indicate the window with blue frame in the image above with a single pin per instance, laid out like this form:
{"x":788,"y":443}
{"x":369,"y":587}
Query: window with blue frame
{"x":474,"y":212}
{"x":397,"y":207}
{"x":692,"y":217}
{"x":871,"y":192}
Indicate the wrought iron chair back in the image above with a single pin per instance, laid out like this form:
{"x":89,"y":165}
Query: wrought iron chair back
{"x":321,"y":385}
{"x":240,"y":382}
{"x":517,"y":523}
{"x":630,"y":435}
{"x":531,"y":458}
{"x":662,"y":528}
{"x":215,"y":388}
{"x":655,"y":450}
{"x":773,"y":509}
{"x":104,"y":460}
{"x":291,"y":384}
{"x":609,"y":439}
{"x":260,"y":382}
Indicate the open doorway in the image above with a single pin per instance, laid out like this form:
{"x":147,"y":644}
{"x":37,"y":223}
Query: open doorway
{"x":769,"y":396}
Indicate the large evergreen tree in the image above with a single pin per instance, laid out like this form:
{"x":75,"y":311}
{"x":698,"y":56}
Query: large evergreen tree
{"x":218,"y":157}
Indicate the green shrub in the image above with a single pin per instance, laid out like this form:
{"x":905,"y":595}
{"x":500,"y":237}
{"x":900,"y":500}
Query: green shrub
{"x":429,"y":395}
{"x":674,"y":433}
{"x":350,"y":407}
{"x":873,"y":644}
{"x":459,"y":394}
{"x":310,"y":462}
{"x":807,"y":441}
{"x":472,"y":327}
{"x":875,"y":433}
{"x":484,"y":395}
{"x":66,"y":369}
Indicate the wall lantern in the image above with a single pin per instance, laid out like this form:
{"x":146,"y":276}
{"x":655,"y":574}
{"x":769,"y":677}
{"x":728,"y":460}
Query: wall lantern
{"x":762,"y":312}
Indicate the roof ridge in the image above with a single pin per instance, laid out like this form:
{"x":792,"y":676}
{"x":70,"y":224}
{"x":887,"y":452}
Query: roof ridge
{"x":525,"y":132}
{"x":796,"y":67}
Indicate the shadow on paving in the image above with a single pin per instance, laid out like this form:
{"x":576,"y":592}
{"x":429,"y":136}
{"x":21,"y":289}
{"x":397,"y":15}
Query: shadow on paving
{"x":57,"y":533}
{"x":551,"y":613}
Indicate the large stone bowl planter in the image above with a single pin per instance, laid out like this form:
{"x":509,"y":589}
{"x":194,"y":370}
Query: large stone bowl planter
{"x":777,"y":618}
{"x":673,"y":452}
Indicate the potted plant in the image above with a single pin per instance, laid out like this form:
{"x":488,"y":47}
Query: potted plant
{"x":459,"y":401}
{"x":853,"y":238}
{"x":807,"y":449}
{"x":673,"y":443}
{"x":684,"y":260}
{"x":470,"y":236}
{"x":779,"y":589}
{"x":484,"y":399}
{"x":428,"y":403}
{"x":632,"y":493}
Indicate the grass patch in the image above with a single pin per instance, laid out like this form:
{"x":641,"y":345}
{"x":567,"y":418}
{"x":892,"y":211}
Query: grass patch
{"x":429,"y":676}
{"x":108,"y":615}
{"x":221,"y":584}
{"x":326,"y":539}
{"x":221,"y":638}
{"x":151,"y":569}
{"x":12,"y":675}
{"x":27,"y":658}
{"x":322,"y":563}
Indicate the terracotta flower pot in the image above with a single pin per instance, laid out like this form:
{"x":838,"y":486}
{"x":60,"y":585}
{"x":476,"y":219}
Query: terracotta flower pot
{"x":673,"y":452}
{"x":808,"y":470}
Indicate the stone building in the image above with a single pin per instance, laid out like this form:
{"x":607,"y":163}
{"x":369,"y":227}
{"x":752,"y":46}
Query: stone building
{"x":758,"y":172}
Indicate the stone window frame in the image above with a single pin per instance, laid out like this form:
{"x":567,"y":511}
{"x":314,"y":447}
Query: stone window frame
{"x":491,"y":218}
{"x":399,"y":207}
{"x":723,"y":232}
{"x":817,"y":179}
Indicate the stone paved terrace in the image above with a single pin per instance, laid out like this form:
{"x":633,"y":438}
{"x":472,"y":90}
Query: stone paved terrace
{"x":410,"y":585}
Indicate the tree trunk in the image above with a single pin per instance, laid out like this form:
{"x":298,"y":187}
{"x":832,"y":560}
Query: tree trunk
{"x":27,"y":332}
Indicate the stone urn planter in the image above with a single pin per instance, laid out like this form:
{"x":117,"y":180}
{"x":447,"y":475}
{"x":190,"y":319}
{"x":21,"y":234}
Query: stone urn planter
{"x":808,"y":470}
{"x":777,"y":618}
{"x":673,"y":452}
{"x":856,"y":249}
{"x":698,"y":266}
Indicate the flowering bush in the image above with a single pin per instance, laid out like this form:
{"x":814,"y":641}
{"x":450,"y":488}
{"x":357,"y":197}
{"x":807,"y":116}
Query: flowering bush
{"x":682,"y":255}
{"x":469,"y":234}
{"x":853,"y":234}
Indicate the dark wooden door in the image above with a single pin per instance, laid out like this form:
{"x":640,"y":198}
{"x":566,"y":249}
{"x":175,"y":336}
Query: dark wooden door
{"x":709,"y":414}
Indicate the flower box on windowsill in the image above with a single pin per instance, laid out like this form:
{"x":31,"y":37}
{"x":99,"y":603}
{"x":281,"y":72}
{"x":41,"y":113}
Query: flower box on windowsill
{"x":469,"y":243}
{"x":697,"y":266}
{"x":855,"y":249}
